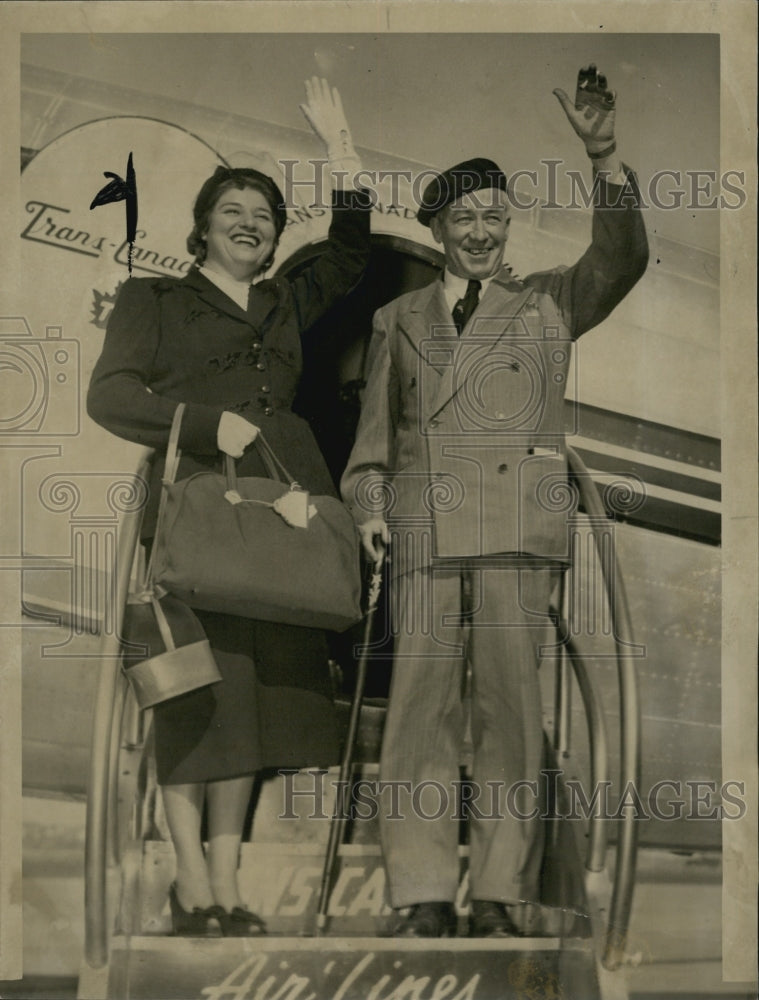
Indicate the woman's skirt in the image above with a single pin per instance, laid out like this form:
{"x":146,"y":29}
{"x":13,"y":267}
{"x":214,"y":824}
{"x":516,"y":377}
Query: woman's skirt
{"x":272,"y":709}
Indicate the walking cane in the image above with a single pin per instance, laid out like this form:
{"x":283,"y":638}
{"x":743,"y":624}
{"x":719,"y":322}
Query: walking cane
{"x":337,"y":822}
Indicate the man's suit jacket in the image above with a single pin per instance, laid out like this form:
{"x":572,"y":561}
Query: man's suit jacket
{"x":460,"y":442}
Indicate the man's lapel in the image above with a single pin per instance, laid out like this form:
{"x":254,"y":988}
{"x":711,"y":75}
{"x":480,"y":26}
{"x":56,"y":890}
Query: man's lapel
{"x":427,"y":325}
{"x":502,"y":302}
{"x":427,"y":320}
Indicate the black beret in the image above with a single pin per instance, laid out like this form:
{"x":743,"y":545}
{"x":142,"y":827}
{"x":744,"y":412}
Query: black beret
{"x":452,"y":184}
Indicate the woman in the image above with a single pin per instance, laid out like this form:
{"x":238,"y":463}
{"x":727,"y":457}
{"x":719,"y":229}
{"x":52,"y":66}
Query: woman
{"x":230,"y":350}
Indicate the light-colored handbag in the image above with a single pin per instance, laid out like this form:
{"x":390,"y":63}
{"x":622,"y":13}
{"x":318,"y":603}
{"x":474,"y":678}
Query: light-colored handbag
{"x":179,"y":657}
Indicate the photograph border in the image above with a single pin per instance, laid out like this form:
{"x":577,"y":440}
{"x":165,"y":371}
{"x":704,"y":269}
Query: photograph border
{"x":735,"y":21}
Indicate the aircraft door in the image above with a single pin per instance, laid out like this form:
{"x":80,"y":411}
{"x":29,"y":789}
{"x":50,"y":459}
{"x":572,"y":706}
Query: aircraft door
{"x":334,"y":375}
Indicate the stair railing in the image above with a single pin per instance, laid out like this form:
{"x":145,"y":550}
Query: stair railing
{"x":104,"y":747}
{"x":630,"y":723}
{"x":109,"y":692}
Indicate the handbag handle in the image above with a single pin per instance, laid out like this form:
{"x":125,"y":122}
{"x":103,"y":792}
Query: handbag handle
{"x":274,"y":468}
{"x":173,"y":452}
{"x":171,"y":463}
{"x":163,"y":625}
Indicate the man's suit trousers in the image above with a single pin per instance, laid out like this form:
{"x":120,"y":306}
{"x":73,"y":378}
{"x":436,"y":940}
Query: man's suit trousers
{"x":474,"y":626}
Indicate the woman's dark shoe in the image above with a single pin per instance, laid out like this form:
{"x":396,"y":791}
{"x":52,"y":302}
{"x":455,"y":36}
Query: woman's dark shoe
{"x":428,"y":920}
{"x":240,"y":922}
{"x":197,"y":922}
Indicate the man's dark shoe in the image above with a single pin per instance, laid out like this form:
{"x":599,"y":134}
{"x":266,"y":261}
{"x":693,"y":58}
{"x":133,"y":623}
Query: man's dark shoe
{"x":428,"y":920}
{"x":491,"y":919}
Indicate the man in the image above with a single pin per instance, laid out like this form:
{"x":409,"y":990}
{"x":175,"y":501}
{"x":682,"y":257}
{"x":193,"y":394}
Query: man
{"x":459,"y":467}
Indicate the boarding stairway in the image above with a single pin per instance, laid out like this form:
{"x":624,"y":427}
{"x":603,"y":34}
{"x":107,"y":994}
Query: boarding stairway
{"x":574,"y":941}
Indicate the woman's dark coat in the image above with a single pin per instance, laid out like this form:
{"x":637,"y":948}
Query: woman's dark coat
{"x":175,"y":340}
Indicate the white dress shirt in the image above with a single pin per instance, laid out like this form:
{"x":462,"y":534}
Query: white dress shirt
{"x":454,"y":287}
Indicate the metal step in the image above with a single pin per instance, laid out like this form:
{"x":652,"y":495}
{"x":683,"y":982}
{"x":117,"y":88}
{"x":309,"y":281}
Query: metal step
{"x":281,"y":882}
{"x":289,"y":968}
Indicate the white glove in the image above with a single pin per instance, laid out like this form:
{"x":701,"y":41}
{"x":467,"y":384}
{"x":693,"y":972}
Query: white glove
{"x":324,"y":112}
{"x":234,"y":434}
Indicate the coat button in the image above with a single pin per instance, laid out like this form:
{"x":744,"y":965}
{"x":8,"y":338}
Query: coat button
{"x":503,"y":467}
{"x":261,"y":366}
{"x":268,"y":411}
{"x":433,"y":424}
{"x":256,"y":345}
{"x":265,"y":388}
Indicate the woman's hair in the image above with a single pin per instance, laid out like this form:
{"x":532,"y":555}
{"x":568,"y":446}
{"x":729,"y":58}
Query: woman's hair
{"x":222,"y":179}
